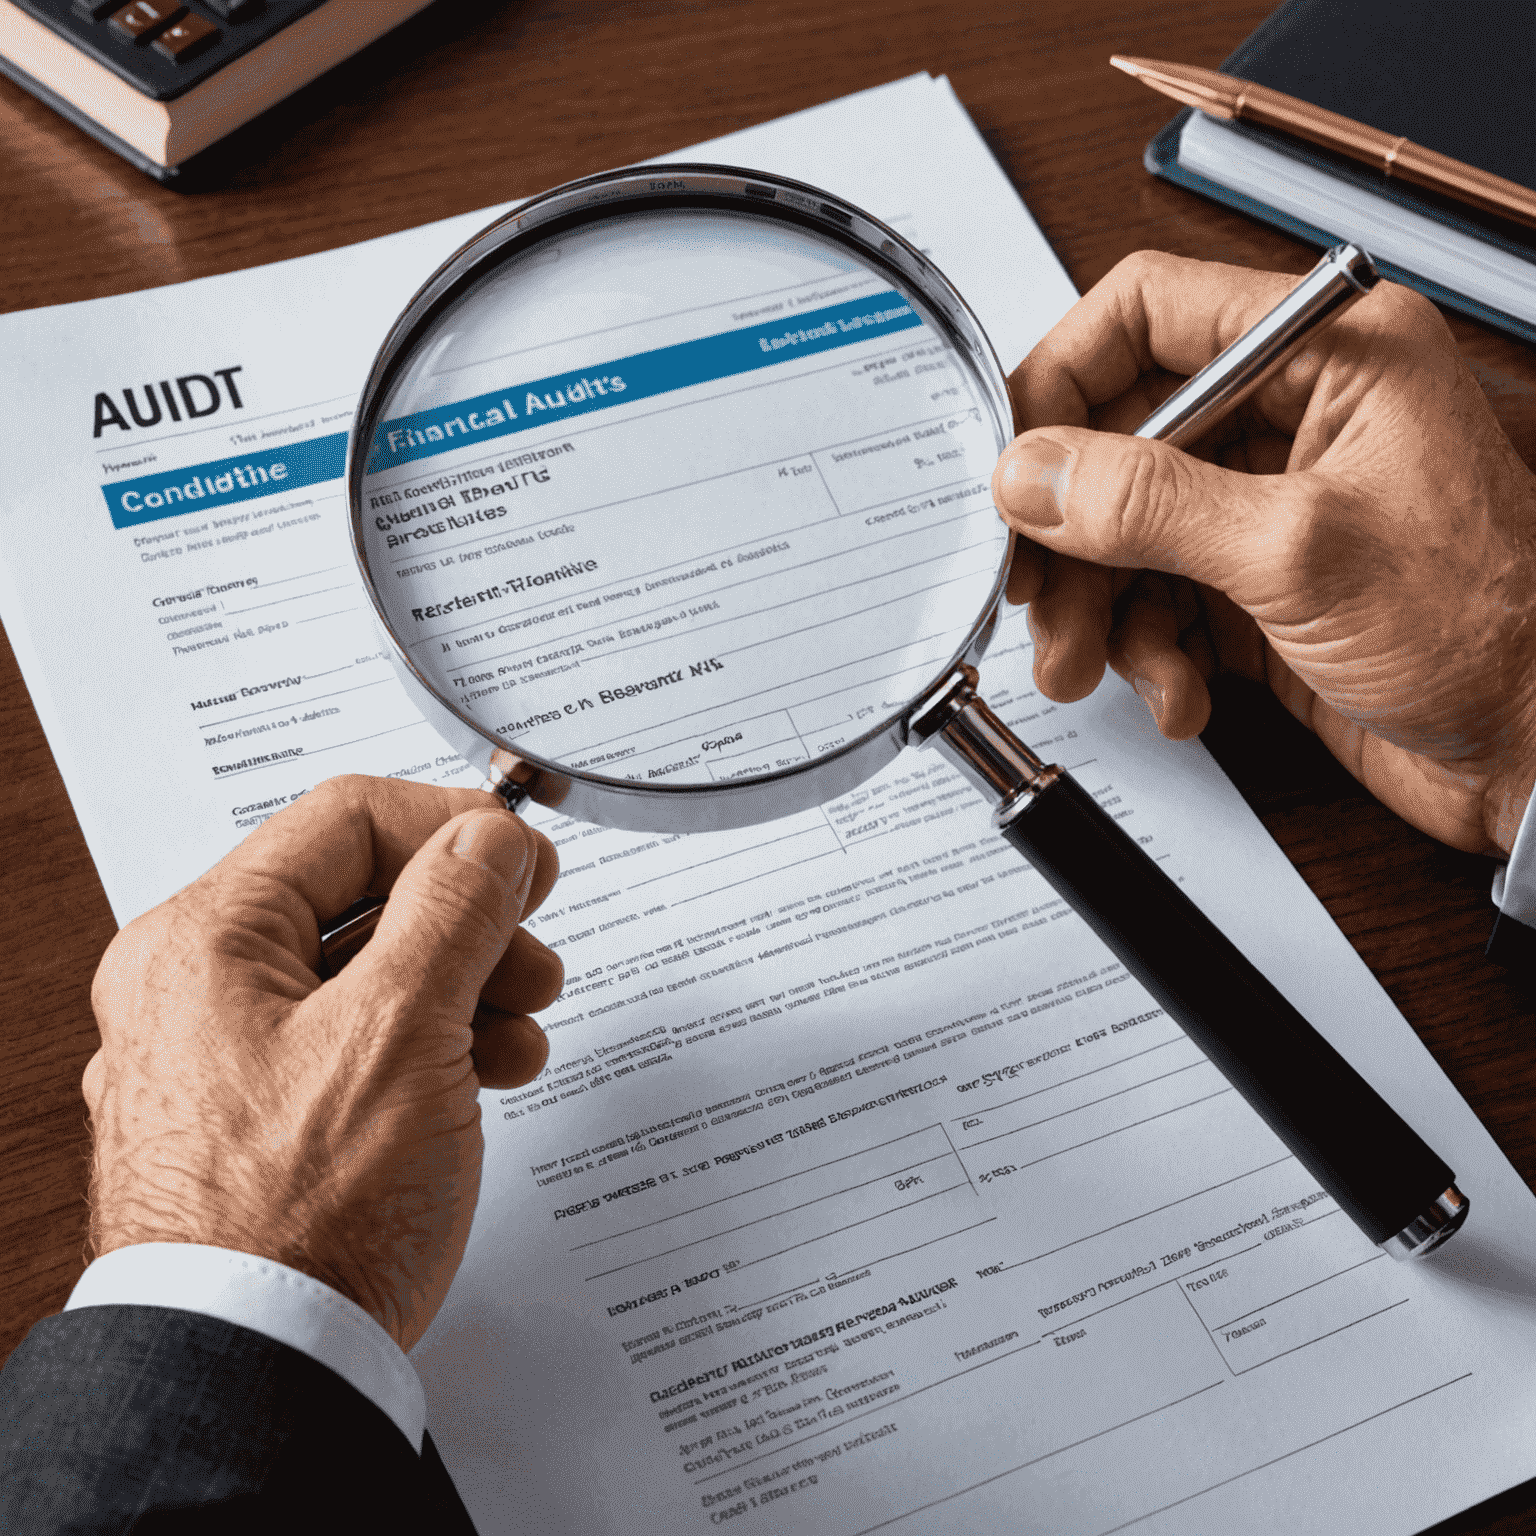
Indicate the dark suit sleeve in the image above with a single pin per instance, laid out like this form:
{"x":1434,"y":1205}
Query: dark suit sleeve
{"x":157,"y":1421}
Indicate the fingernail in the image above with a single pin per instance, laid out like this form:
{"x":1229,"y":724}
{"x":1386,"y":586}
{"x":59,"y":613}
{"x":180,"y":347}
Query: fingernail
{"x":1033,"y":482}
{"x":498,"y":845}
{"x":1152,"y":696}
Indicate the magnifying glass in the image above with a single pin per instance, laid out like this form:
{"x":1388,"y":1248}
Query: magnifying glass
{"x":671,"y":493}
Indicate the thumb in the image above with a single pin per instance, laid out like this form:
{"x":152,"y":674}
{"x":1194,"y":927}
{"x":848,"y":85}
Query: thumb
{"x":450,"y":915}
{"x":1127,"y":501}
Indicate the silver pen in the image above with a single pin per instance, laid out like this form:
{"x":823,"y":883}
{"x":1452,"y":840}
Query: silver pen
{"x":1344,"y":275}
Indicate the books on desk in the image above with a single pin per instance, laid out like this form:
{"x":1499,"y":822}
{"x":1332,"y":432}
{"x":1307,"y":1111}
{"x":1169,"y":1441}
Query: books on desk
{"x":159,"y":82}
{"x":1456,"y":79}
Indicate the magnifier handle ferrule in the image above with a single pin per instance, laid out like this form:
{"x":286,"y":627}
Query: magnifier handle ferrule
{"x":958,"y":721}
{"x":1378,"y":1170}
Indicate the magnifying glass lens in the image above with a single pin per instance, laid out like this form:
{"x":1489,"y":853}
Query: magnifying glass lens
{"x":683,"y":497}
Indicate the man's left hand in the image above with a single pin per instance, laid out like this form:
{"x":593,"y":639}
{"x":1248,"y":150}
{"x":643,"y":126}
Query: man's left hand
{"x":239,"y":1101}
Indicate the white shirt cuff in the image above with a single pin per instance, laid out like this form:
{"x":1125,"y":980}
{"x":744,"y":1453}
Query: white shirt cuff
{"x":1514,"y":883}
{"x":271,"y":1299}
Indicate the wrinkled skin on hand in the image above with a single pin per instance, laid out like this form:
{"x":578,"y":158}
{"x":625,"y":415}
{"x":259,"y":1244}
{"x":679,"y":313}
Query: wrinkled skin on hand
{"x":237,"y":1100}
{"x":1360,"y":534}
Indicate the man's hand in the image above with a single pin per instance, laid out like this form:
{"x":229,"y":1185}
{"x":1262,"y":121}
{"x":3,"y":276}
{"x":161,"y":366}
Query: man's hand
{"x":1361,"y":534}
{"x":238,"y":1101}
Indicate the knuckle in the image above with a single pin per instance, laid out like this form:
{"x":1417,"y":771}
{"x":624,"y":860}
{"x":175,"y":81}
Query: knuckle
{"x":124,"y":960}
{"x":1404,"y":316}
{"x":1142,"y":267}
{"x":105,"y":982}
{"x":161,"y":967}
{"x":92,"y":1082}
{"x":1404,"y":307}
{"x":1312,"y":544}
{"x":345,"y":793}
{"x":1130,"y":288}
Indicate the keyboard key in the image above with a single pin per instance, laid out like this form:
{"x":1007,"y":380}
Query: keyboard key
{"x":96,"y":9}
{"x":188,"y":36}
{"x":145,"y":19}
{"x":234,"y":10}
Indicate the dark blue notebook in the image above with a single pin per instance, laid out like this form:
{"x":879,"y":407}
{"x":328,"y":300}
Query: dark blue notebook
{"x":1457,"y":78}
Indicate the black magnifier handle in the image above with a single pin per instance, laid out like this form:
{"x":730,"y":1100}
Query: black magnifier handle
{"x":1381,"y":1173}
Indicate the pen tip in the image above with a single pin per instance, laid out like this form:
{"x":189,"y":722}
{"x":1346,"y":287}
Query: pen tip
{"x":1203,"y":89}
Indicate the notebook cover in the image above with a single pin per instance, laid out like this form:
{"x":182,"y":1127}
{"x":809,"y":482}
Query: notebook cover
{"x":1411,"y":66}
{"x":1454,"y":77}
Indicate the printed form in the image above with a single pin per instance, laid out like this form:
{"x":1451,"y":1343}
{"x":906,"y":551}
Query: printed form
{"x":864,"y":1191}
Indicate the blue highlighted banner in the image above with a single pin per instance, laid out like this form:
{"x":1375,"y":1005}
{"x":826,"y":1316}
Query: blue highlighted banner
{"x":518,"y":408}
{"x":543,"y":402}
{"x":199,"y":487}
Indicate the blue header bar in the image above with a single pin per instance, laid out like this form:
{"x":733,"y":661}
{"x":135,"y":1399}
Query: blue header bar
{"x":517,"y":408}
{"x":199,"y":487}
{"x":543,"y":402}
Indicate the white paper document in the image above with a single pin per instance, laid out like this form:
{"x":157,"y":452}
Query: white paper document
{"x":865,"y":1191}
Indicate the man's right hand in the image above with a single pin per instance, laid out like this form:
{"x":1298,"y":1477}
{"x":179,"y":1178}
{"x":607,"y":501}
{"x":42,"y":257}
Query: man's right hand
{"x":1361,"y":534}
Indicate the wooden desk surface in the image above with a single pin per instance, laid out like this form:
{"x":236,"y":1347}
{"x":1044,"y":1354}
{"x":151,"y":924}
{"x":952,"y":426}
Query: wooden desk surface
{"x":470,"y":105}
